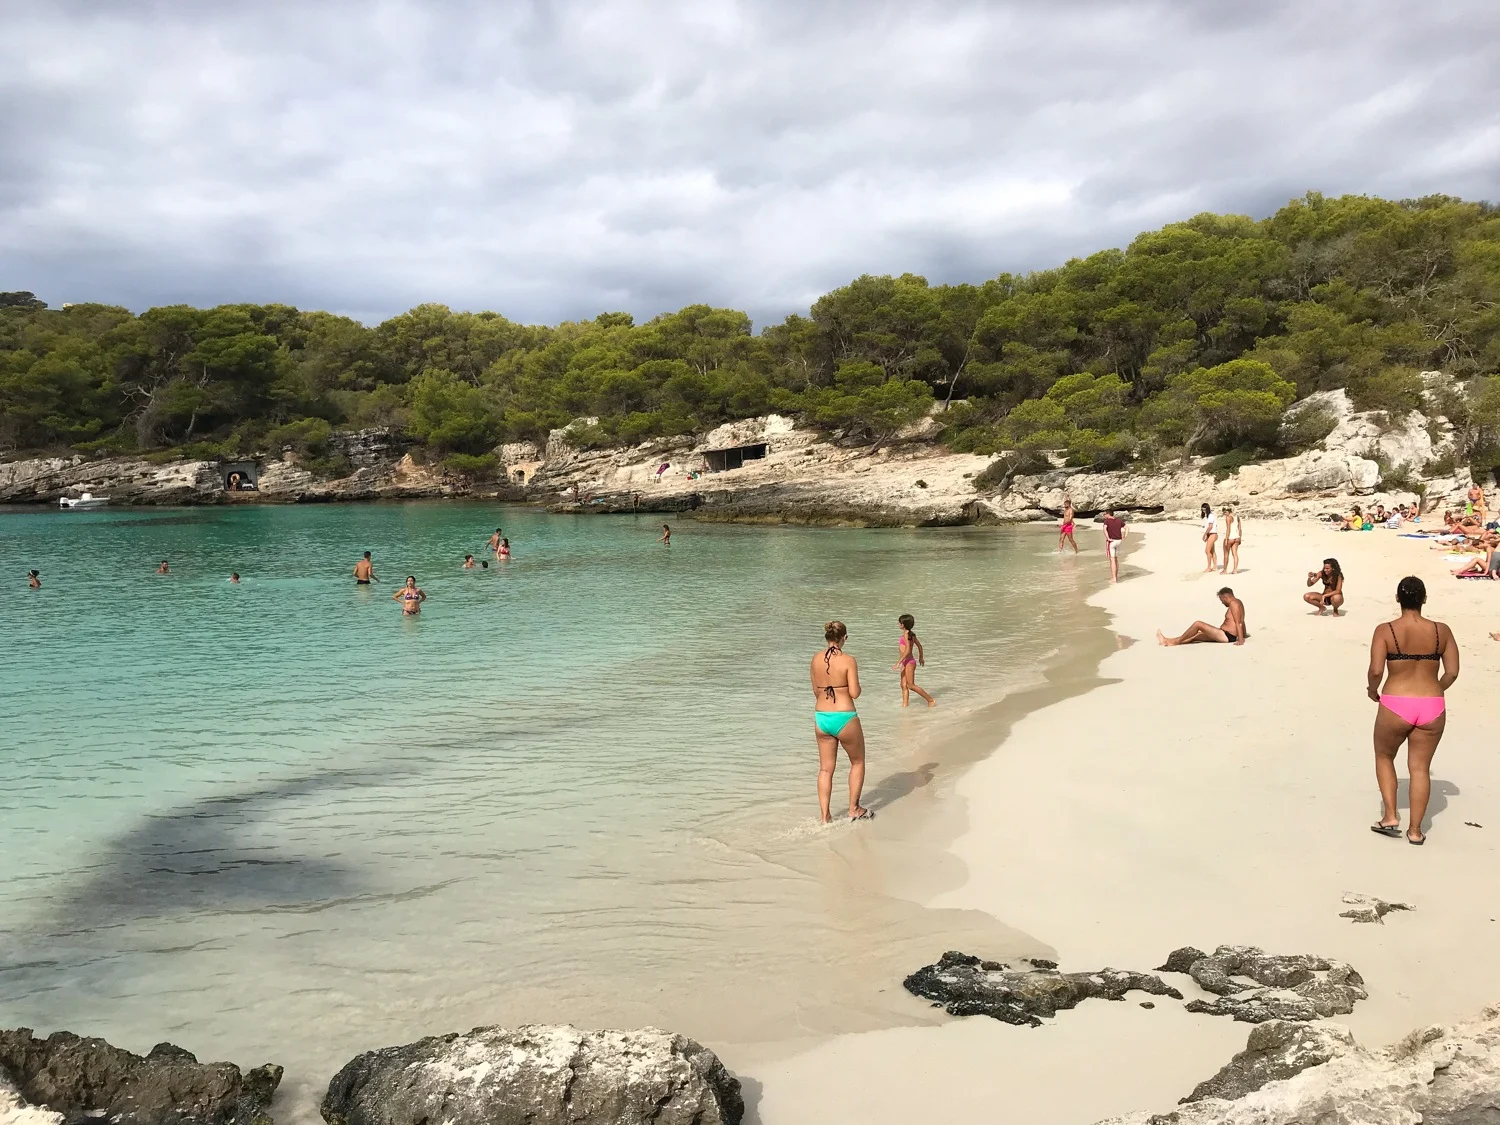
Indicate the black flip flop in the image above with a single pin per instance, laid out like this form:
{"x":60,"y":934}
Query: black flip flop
{"x":1391,"y":830}
{"x":1418,"y":843}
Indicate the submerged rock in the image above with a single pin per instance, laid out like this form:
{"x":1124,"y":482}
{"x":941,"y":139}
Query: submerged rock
{"x":1275,"y":1050}
{"x":1253,"y":986}
{"x":537,"y":1075}
{"x":1438,"y":1075}
{"x":967,"y":986}
{"x":87,"y":1079}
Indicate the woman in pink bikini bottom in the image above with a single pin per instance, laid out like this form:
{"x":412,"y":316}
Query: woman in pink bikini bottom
{"x":1408,"y":652}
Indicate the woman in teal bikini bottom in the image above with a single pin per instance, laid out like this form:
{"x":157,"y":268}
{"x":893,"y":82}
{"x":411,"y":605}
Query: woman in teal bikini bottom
{"x":835,"y":683}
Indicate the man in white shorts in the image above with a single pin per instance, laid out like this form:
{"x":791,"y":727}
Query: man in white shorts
{"x":1114,"y":535}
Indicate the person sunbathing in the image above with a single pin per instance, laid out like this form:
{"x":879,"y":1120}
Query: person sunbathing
{"x":1232,"y":631}
{"x":1486,"y":565}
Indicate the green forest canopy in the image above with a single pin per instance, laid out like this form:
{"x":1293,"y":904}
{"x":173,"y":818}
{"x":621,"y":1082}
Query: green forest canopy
{"x":1194,"y":338}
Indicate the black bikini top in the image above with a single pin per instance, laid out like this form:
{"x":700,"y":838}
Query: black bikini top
{"x":828,"y":689}
{"x":1437,"y":639}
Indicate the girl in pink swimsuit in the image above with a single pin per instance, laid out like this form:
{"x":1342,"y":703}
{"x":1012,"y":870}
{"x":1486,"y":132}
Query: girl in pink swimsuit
{"x":910,"y":650}
{"x":1408,"y":652}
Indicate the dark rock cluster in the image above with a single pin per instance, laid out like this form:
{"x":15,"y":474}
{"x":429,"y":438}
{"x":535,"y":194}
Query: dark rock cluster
{"x":1253,"y":986}
{"x":966,"y":986}
{"x":87,"y":1080}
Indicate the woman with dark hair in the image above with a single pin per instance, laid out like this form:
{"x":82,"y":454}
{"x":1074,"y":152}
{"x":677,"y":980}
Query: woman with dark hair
{"x":1332,"y":595}
{"x":1210,"y":537}
{"x":909,"y":655}
{"x":835,"y":683}
{"x":411,"y":596}
{"x":1412,"y":709}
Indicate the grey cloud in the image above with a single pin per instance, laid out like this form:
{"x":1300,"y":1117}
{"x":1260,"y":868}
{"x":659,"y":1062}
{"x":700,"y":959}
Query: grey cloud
{"x":555,"y":160}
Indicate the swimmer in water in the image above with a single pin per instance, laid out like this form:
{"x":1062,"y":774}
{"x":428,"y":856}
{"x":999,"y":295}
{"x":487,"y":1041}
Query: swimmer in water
{"x":468,"y":562}
{"x":504,"y":551}
{"x":912,"y":655}
{"x":835,"y":683}
{"x":1065,"y":529}
{"x":364,"y":571}
{"x":411,"y":596}
{"x":34,"y":579}
{"x":234,"y":577}
{"x":164,"y":568}
{"x":666,"y":535}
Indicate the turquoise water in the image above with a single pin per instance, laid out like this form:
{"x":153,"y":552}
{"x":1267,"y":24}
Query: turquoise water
{"x":277,"y":819}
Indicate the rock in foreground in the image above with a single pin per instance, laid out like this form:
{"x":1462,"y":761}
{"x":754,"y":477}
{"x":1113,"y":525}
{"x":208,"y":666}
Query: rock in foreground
{"x":1253,"y":986}
{"x":537,"y":1075}
{"x":1439,"y":1075}
{"x":967,"y":986}
{"x":86,"y":1079}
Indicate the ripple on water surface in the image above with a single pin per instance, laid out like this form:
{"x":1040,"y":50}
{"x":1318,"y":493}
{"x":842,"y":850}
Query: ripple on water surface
{"x":577,"y":787}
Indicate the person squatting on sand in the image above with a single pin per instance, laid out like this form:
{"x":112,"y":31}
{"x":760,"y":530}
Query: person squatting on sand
{"x":1332,"y":595}
{"x":1412,"y":708}
{"x":1232,"y":631}
{"x":1210,"y":537}
{"x":1114,"y":537}
{"x":1065,"y":529}
{"x":411,"y":596}
{"x":835,"y":683}
{"x":1232,"y":530}
{"x":910,"y":653}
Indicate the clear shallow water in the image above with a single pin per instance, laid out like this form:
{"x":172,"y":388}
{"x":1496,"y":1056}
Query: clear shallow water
{"x":276,"y":820}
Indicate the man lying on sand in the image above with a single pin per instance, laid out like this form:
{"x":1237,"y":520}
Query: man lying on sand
{"x":1231,"y":632}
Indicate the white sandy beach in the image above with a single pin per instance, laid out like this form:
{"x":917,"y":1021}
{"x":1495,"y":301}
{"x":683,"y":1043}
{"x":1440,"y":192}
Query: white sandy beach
{"x":1208,"y":795}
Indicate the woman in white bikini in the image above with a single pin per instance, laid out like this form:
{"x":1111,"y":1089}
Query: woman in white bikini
{"x":1210,"y":537}
{"x":1232,"y":529}
{"x":1407,"y":651}
{"x":835,"y":684}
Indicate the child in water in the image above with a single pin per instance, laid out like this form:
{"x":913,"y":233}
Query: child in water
{"x":911,"y":656}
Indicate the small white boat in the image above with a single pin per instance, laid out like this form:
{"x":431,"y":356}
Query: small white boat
{"x":87,"y":500}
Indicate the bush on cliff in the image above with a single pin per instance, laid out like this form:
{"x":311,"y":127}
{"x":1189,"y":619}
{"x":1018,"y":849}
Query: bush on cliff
{"x":1194,"y":335}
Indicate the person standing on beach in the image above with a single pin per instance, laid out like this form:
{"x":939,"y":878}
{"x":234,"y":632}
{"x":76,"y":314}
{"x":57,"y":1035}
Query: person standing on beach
{"x":364,"y":571}
{"x":411,"y":596}
{"x":34,"y":579}
{"x":1210,"y":537}
{"x":1114,"y":537}
{"x":1332,"y":596}
{"x":1232,"y":529}
{"x":1065,"y":529}
{"x":1232,"y":631}
{"x":835,"y":684}
{"x":1412,"y":709}
{"x":910,"y":653}
{"x":666,"y":535}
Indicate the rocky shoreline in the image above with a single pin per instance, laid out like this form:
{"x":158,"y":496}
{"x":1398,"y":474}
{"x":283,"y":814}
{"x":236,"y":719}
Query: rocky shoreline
{"x":766,"y":470}
{"x":1296,"y":1067}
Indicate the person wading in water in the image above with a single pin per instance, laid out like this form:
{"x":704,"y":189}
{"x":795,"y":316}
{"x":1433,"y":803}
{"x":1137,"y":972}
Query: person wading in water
{"x":835,"y":684}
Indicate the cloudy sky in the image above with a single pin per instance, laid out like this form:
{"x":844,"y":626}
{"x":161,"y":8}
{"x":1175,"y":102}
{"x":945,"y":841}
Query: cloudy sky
{"x":554,"y":160}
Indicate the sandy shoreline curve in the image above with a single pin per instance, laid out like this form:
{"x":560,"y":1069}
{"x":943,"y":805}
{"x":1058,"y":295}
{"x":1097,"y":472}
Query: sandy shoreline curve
{"x":1199,"y":796}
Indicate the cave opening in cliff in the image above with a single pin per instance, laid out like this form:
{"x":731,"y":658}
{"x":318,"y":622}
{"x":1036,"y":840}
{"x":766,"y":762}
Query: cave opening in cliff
{"x":240,"y":476}
{"x":732,"y":458}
